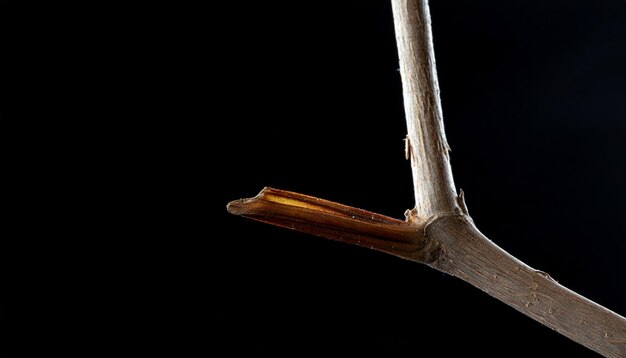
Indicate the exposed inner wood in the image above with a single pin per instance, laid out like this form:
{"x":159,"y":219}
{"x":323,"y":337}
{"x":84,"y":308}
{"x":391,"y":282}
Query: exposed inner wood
{"x":337,"y":222}
{"x":451,"y":244}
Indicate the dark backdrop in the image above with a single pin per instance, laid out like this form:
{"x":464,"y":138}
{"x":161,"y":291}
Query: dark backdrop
{"x":142,"y":121}
{"x":310,"y":100}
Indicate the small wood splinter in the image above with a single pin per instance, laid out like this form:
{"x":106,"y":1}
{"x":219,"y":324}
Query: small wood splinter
{"x":407,"y":148}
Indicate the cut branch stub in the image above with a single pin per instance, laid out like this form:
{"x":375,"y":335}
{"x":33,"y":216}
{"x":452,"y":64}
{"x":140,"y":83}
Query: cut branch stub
{"x":337,"y":222}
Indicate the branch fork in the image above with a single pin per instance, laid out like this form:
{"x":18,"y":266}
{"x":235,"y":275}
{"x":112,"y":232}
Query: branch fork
{"x":438,"y":231}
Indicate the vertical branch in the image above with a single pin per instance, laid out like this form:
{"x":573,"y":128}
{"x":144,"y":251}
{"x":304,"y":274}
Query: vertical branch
{"x":428,"y":148}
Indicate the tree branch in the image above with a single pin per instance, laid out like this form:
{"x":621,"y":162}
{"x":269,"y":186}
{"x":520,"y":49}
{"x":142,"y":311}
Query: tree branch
{"x":472,"y":257}
{"x":439,"y":231}
{"x":337,"y":222}
{"x":428,"y":147}
{"x":451,"y":244}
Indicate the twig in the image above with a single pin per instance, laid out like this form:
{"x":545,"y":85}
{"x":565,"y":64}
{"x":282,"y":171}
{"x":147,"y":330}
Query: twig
{"x":439,"y":231}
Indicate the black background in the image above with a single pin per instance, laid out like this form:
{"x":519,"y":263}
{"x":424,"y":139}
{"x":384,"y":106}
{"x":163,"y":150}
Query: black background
{"x":310,"y":100}
{"x":140,"y":122}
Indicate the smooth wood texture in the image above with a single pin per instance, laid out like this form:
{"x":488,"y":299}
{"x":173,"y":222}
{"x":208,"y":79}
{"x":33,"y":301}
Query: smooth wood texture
{"x":337,"y":222}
